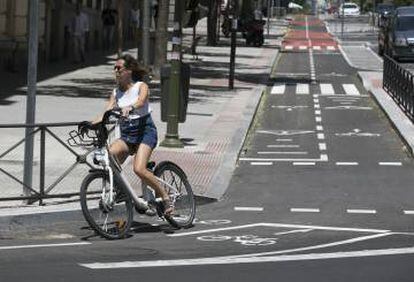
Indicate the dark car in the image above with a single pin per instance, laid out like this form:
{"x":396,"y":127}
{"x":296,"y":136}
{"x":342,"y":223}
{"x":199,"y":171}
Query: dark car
{"x":396,"y":38}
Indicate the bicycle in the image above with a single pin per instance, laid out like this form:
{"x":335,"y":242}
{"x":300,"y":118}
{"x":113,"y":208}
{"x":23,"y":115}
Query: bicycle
{"x":106,"y":196}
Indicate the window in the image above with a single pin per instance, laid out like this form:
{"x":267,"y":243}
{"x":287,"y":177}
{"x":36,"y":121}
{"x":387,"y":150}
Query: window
{"x":405,"y":23}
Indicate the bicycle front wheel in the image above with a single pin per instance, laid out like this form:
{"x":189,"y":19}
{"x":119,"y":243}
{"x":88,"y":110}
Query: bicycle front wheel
{"x":173,"y":179}
{"x":109,"y":218}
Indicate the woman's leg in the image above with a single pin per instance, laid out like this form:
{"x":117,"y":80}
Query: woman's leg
{"x":120,"y":150}
{"x":140,"y":168}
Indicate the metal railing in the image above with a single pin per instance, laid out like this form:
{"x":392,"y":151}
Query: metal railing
{"x":31,"y":195}
{"x":399,"y":83}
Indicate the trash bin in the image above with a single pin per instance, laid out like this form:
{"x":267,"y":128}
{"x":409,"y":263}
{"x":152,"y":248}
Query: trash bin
{"x":184,"y":86}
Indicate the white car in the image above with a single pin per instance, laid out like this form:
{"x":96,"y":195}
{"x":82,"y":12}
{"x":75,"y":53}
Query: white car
{"x":349,"y":9}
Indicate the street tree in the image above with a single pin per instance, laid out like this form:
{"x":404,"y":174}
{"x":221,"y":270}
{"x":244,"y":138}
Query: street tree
{"x":212,"y":23}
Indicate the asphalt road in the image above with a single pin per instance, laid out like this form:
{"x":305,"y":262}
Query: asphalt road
{"x":322,"y":192}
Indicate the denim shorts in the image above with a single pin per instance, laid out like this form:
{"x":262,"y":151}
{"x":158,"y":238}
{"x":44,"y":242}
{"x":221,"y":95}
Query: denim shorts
{"x":139,"y":130}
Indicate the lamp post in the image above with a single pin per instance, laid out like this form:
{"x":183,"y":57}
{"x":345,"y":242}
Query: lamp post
{"x":171,"y":136}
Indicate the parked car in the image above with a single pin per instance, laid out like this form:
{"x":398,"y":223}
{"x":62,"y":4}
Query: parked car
{"x":348,"y":9}
{"x":397,"y":36}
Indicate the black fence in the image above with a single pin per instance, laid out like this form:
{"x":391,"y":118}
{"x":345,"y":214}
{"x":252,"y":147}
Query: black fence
{"x":399,"y":83}
{"x":32,"y":195}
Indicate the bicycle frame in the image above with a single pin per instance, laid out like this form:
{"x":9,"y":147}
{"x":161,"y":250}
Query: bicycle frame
{"x":111,"y":166}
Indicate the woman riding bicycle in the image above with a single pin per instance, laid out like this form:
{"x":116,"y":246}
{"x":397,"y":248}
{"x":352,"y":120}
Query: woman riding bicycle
{"x":138,"y":131}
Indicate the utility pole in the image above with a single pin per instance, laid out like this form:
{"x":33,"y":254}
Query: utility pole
{"x":233,"y":18}
{"x":31,"y":94}
{"x":146,"y":24}
{"x":171,"y":136}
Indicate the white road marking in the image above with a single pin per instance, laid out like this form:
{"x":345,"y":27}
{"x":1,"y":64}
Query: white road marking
{"x":282,"y":146}
{"x":318,"y":112}
{"x":303,"y":163}
{"x":346,"y":163}
{"x":280,"y":225}
{"x":285,"y":132}
{"x":316,"y":47}
{"x":248,"y":208}
{"x":323,"y":158}
{"x":288,"y":47}
{"x":361,"y":211}
{"x":390,"y":163}
{"x":278,"y":89}
{"x":321,"y":136}
{"x":327,"y":89}
{"x":318,"y":119}
{"x":304,"y":210}
{"x":262,"y":257}
{"x":322,"y":146}
{"x":292,"y":232}
{"x":302,"y":47}
{"x":350,"y":89}
{"x":330,"y":48}
{"x":302,"y":89}
{"x":261,"y":163}
{"x":319,"y":128}
{"x":282,"y":153}
{"x":284,"y":140}
{"x":43,"y":246}
{"x":408,"y":212}
{"x":317,"y":106}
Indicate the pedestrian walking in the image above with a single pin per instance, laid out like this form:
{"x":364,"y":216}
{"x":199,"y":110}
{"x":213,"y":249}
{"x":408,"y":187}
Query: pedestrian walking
{"x":108,"y":17}
{"x":79,"y":31}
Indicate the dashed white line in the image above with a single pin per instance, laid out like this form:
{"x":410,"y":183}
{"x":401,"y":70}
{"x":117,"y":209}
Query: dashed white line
{"x":319,"y":128}
{"x":284,"y":140}
{"x":361,"y":211}
{"x":347,"y":163}
{"x":322,"y":146}
{"x":318,"y":119}
{"x":408,"y":212}
{"x":261,"y":163}
{"x":303,"y":163}
{"x":318,"y":112}
{"x":248,"y":208}
{"x":321,"y":136}
{"x":390,"y":163}
{"x":304,"y":210}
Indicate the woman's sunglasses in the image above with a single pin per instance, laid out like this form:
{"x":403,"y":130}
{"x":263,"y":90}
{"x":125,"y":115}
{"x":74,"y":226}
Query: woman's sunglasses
{"x":118,"y":68}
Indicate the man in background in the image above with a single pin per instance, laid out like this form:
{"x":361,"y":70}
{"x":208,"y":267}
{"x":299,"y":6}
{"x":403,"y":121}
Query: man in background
{"x":79,"y":31}
{"x":108,"y":17}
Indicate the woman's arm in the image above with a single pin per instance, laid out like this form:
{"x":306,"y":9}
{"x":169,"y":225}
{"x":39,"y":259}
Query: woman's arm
{"x":143,"y":96}
{"x":109,"y":105}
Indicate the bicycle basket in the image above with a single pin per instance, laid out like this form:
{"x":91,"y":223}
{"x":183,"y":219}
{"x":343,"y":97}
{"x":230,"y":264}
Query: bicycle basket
{"x":83,"y":139}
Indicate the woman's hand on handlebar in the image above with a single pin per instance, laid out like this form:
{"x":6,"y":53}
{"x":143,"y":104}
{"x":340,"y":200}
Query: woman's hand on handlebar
{"x":126,"y":110}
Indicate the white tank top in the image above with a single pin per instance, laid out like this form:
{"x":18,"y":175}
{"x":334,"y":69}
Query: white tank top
{"x":130,"y":97}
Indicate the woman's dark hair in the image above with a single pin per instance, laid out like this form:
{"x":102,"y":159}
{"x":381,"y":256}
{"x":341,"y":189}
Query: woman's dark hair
{"x":138,"y":71}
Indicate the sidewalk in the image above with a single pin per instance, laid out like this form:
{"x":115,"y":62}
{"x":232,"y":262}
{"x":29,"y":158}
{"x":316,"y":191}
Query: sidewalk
{"x":404,"y":127}
{"x":217,"y":119}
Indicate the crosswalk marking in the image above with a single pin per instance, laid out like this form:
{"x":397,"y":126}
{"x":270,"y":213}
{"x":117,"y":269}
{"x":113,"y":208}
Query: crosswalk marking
{"x":302,"y":89}
{"x":326,"y":89}
{"x":278,"y":89}
{"x":330,"y":48}
{"x":350,"y":89}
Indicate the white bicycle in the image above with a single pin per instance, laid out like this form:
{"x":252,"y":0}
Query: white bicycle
{"x":107,"y":198}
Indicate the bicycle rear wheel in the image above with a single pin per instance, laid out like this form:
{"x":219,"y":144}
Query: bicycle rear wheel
{"x":111,"y":220}
{"x":180,"y":192}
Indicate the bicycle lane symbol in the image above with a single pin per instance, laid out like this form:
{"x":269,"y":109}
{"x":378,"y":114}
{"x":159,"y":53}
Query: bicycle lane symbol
{"x":250,"y":240}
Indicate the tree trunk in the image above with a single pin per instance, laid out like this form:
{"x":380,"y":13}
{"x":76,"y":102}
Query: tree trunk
{"x":212,"y":23}
{"x":161,"y":36}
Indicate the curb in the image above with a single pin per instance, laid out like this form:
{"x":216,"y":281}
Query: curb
{"x":399,"y":121}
